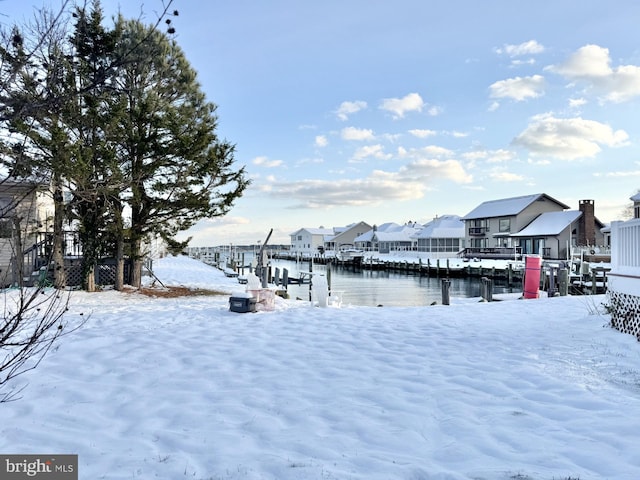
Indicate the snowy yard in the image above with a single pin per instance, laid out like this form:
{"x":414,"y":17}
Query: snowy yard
{"x":183,"y":388}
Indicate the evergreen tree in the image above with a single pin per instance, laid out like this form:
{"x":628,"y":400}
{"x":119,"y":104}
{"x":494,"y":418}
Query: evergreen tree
{"x":66,"y":141}
{"x":34,"y":66}
{"x":117,"y":117}
{"x":178,"y":170}
{"x":94,"y":111}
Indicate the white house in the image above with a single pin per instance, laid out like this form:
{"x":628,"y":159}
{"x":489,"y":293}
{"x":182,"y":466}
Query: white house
{"x":442,"y":237}
{"x":310,"y":241}
{"x":623,"y":288}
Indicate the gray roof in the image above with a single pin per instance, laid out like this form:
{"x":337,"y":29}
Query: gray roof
{"x":401,"y":233}
{"x":446,"y":226}
{"x":385,"y":227}
{"x":549,"y":224}
{"x":507,"y":206}
{"x":314,"y":231}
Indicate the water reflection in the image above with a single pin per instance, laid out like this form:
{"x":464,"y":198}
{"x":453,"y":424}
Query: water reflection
{"x":372,"y":288}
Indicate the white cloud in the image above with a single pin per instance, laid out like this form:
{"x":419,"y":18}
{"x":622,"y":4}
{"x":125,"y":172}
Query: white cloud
{"x":422,"y":133}
{"x":531,"y":47}
{"x":475,"y":155}
{"x":391,"y":137}
{"x":408,"y":183}
{"x":429,"y":151}
{"x":457,"y":134}
{"x":588,"y":62}
{"x":377,"y":188}
{"x":491,"y":156}
{"x":265,"y":162}
{"x":224,"y":220}
{"x":577,"y":102}
{"x":568,"y":138}
{"x":435,"y":111}
{"x":353,"y":133}
{"x":518,"y":88}
{"x":310,"y":161}
{"x":618,"y":174}
{"x":501,"y":155}
{"x":494,"y":106}
{"x":321,"y":141}
{"x":400,"y":106}
{"x":538,"y":161}
{"x":592,"y":64}
{"x":506,"y":177}
{"x":370,"y":151}
{"x":348,"y":108}
{"x":428,"y":169}
{"x":517,"y":63}
{"x":425,"y":166}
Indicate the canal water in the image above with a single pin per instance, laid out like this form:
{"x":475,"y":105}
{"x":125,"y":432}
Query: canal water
{"x":360,"y":287}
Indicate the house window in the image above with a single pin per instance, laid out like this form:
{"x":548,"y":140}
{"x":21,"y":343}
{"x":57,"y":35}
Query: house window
{"x":504,"y":225}
{"x":479,"y":243}
{"x":478,"y":227}
{"x":636,"y":211}
{"x":5,"y":228}
{"x":480,"y":223}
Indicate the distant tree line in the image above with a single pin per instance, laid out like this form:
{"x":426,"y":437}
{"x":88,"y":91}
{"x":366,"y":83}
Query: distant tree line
{"x":114,"y":119}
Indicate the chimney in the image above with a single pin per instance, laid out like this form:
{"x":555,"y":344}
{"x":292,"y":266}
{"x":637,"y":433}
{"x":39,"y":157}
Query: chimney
{"x":587,"y":223}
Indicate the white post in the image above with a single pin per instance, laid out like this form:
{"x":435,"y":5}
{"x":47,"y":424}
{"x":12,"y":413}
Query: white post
{"x":615,"y":244}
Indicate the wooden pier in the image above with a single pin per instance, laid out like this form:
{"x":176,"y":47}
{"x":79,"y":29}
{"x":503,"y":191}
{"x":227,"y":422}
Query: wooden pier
{"x":432,"y":268}
{"x":588,"y":282}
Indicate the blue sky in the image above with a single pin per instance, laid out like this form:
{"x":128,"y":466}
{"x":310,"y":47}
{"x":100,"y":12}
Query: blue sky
{"x":378,"y":111}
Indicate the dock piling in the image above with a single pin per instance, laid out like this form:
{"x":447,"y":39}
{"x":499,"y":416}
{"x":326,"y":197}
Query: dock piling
{"x":487,"y":289}
{"x":563,"y":282}
{"x":446,"y":287}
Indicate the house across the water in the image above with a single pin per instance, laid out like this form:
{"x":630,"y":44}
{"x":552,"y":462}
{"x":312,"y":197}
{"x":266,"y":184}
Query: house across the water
{"x":531,"y":224}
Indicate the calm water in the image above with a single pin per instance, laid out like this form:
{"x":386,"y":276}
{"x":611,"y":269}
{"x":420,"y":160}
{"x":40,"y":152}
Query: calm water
{"x":373,"y":288}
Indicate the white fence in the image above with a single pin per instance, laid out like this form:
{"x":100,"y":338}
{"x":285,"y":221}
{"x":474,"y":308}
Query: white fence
{"x":625,"y":247}
{"x":624,"y":278}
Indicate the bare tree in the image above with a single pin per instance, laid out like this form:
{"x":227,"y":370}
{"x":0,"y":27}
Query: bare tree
{"x":31,"y":322}
{"x":32,"y":312}
{"x":627,"y":212}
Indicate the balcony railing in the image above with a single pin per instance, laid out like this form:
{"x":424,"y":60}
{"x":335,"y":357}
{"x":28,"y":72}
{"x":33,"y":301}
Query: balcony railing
{"x":477,"y":231}
{"x":507,"y":253}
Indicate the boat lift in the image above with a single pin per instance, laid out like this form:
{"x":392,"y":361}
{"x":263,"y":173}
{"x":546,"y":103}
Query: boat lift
{"x":262,"y":272}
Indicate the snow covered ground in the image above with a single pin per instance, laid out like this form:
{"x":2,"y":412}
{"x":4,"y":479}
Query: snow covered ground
{"x":178,"y":388}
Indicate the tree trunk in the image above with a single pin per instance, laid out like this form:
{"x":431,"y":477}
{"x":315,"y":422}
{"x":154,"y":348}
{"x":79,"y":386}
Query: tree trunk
{"x":90,"y":280}
{"x":18,"y":257}
{"x":136,"y":256}
{"x":119,"y":234}
{"x":59,"y":273}
{"x":119,"y":281}
{"x":136,"y":273}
